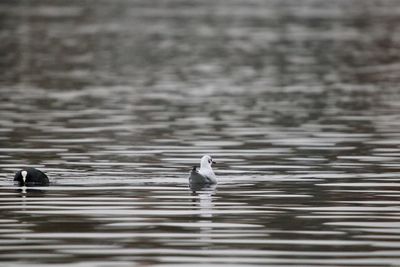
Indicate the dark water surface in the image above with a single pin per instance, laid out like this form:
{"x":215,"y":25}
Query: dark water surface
{"x":297,"y":101}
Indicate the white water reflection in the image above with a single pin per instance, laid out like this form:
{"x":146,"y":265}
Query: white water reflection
{"x":203,"y":198}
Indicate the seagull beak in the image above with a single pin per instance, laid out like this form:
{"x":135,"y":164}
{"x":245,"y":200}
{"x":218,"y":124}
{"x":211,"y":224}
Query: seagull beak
{"x":214,"y":162}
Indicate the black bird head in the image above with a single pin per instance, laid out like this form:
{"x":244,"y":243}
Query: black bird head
{"x":21,"y":177}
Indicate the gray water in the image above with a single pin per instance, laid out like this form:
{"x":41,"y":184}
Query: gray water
{"x":297,"y":101}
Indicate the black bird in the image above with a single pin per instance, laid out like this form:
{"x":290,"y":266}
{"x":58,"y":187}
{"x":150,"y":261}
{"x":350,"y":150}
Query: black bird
{"x":30,"y":177}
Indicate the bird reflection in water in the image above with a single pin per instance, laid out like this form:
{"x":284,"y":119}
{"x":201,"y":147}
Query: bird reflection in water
{"x":25,"y":191}
{"x":203,"y":202}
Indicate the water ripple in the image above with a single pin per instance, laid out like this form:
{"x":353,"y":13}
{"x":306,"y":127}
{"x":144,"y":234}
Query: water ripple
{"x":297,"y":101}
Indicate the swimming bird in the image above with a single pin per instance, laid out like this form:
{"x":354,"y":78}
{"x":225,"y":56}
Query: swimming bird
{"x":206,"y":174}
{"x":30,"y":177}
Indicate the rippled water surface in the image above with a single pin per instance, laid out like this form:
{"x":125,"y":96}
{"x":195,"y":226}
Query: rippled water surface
{"x":297,"y":101}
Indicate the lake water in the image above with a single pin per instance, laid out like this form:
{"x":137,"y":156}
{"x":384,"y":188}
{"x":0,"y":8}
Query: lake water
{"x":297,"y":101}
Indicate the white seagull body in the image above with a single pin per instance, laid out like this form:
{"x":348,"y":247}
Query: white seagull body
{"x":206,"y":174}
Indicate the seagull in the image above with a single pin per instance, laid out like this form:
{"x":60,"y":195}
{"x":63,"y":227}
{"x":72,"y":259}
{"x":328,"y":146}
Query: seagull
{"x":205,"y":175}
{"x":31,"y":176}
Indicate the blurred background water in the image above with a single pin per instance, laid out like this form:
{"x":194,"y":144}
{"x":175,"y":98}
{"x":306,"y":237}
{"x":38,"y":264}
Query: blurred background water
{"x":297,"y":101}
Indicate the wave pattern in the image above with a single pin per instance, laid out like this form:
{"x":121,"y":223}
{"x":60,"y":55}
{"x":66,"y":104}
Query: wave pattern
{"x":297,"y":101}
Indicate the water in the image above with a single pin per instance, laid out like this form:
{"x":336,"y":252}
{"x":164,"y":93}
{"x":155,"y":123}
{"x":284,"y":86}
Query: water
{"x":297,"y":101}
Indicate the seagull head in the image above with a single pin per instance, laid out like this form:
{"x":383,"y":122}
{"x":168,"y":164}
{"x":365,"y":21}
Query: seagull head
{"x":206,"y":162}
